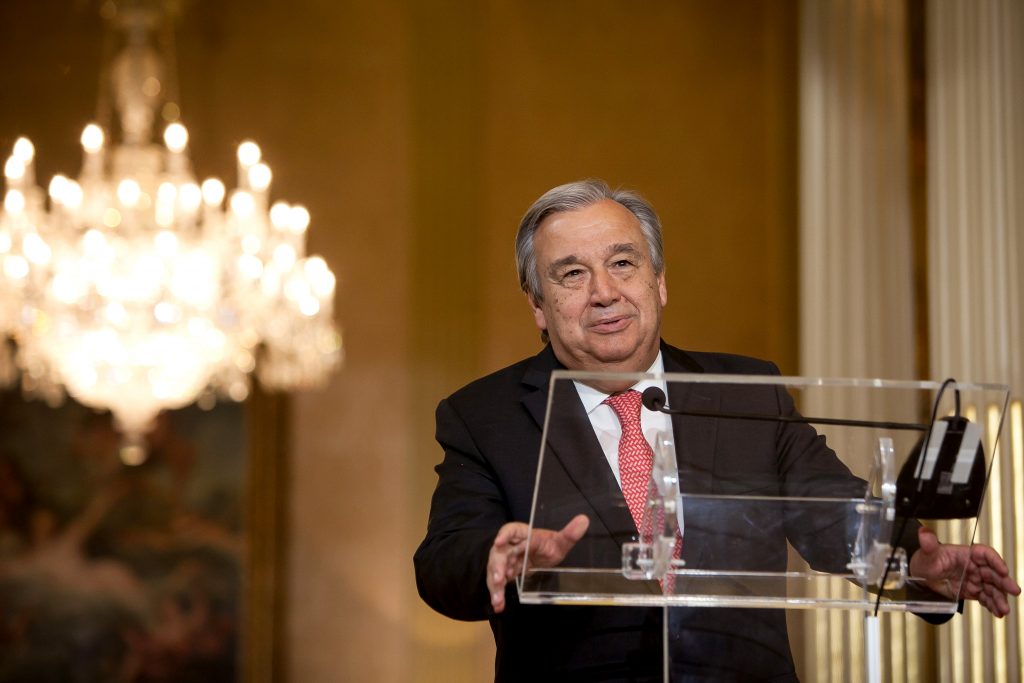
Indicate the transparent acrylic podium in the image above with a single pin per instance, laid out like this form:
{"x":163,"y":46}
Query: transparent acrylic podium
{"x":788,"y":492}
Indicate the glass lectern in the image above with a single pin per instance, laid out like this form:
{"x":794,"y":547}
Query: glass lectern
{"x":787,"y":492}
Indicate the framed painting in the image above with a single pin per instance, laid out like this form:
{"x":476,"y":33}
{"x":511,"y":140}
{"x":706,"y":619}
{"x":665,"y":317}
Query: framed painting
{"x":163,"y":571}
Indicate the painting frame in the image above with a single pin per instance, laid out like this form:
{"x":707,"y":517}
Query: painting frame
{"x":174,"y":567}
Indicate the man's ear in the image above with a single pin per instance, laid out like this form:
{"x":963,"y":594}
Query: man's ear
{"x":662,"y":288}
{"x":538,"y":312}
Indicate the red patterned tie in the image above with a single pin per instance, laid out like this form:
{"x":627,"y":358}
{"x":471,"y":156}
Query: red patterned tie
{"x":636,"y":460}
{"x":635,"y":455}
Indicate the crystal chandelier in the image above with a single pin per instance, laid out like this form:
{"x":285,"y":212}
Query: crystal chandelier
{"x":135,"y":288}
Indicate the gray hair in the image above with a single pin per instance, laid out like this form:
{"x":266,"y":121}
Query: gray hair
{"x":572,"y":197}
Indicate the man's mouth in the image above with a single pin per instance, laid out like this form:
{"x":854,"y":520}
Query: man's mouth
{"x":611,"y":324}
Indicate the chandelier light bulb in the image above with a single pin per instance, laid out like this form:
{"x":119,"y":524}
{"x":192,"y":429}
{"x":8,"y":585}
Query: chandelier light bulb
{"x":64,"y":289}
{"x":250,"y":266}
{"x":24,"y":150}
{"x":313,"y":266}
{"x":94,"y":243}
{"x":129,"y":192}
{"x":296,"y":288}
{"x":309,"y":306}
{"x":176,"y":137}
{"x":58,"y":188}
{"x":116,"y":313}
{"x":36,"y":250}
{"x":92,"y":138}
{"x":190,"y":196}
{"x":248,"y":154}
{"x":14,"y":169}
{"x":242,"y":204}
{"x":279,"y":215}
{"x":73,"y":195}
{"x":213,"y":191}
{"x":166,"y":193}
{"x":14,"y":202}
{"x":251,"y":244}
{"x":111,"y":217}
{"x":167,"y":312}
{"x":259,"y":177}
{"x":321,"y":279}
{"x":166,"y":243}
{"x":238,"y":391}
{"x":65,"y":192}
{"x":298,"y":219}
{"x":133,"y":454}
{"x":284,"y":257}
{"x":15,"y":267}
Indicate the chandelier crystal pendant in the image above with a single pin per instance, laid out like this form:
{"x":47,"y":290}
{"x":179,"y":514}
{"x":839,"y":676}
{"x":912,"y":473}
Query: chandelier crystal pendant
{"x":134,"y":288}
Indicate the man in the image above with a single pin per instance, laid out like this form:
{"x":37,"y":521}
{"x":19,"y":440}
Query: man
{"x":590,"y":262}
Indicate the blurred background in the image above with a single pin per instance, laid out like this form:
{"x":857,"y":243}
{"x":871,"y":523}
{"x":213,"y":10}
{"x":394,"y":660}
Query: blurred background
{"x":839,"y":184}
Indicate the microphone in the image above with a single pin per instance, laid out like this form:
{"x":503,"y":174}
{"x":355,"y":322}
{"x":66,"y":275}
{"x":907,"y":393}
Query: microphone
{"x":653,"y":399}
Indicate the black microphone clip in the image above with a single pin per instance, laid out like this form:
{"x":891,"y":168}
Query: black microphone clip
{"x":653,"y":399}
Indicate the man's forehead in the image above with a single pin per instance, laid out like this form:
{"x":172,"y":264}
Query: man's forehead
{"x":600,"y":211}
{"x":605,"y":252}
{"x":598,"y":226}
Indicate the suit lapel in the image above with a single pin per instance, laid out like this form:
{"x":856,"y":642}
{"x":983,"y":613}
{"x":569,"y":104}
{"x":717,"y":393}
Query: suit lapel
{"x":695,"y":436}
{"x":571,"y":440}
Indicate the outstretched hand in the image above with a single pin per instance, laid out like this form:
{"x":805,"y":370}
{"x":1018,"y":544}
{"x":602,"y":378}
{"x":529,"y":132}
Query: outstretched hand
{"x":986,"y":576}
{"x":547,"y":549}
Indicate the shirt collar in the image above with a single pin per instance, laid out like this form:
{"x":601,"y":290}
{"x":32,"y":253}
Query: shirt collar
{"x":592,"y":398}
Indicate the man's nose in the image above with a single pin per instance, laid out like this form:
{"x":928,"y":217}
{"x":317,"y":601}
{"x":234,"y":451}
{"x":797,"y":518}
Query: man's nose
{"x":603,"y":289}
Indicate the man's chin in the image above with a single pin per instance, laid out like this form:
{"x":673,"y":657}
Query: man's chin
{"x":609,"y":353}
{"x":619,"y":358}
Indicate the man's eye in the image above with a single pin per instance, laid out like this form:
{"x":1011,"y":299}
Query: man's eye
{"x":570,"y":274}
{"x":623,"y":263}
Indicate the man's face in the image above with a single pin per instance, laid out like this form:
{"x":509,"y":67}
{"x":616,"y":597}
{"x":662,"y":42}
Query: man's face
{"x":602,"y":301}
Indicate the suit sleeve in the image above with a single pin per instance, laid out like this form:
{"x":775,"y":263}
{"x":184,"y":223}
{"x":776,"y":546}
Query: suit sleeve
{"x":466,"y":511}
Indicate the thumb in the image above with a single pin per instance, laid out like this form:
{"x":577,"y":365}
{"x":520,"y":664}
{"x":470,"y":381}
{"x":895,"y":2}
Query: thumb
{"x":928,"y":540}
{"x":574,"y":530}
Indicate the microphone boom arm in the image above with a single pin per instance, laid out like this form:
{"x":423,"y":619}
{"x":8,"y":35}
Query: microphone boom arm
{"x":654,"y":399}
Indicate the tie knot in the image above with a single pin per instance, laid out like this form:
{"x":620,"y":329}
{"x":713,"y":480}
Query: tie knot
{"x":626,"y":406}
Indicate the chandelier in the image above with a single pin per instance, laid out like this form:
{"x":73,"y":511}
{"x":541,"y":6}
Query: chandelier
{"x":135,"y":288}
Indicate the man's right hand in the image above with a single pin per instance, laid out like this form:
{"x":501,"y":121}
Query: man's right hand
{"x":547,"y":549}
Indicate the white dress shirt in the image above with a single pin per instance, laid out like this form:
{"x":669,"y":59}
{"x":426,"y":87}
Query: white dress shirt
{"x":606,"y":423}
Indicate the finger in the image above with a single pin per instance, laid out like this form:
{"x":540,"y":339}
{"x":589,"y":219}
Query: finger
{"x":997,"y":579}
{"x":1002,"y":605}
{"x":513,"y":567}
{"x":496,"y":583}
{"x":575,"y":529}
{"x":984,"y":555}
{"x":496,"y":566}
{"x":512,"y":533}
{"x":502,"y":562}
{"x":548,"y":548}
{"x":928,"y":540}
{"x":991,"y":597}
{"x":995,"y":601}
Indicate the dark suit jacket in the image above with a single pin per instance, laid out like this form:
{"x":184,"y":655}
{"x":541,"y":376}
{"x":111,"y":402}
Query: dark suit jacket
{"x":491,"y":434}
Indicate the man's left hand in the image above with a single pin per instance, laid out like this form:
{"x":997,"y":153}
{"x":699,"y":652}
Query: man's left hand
{"x":986,"y":577}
